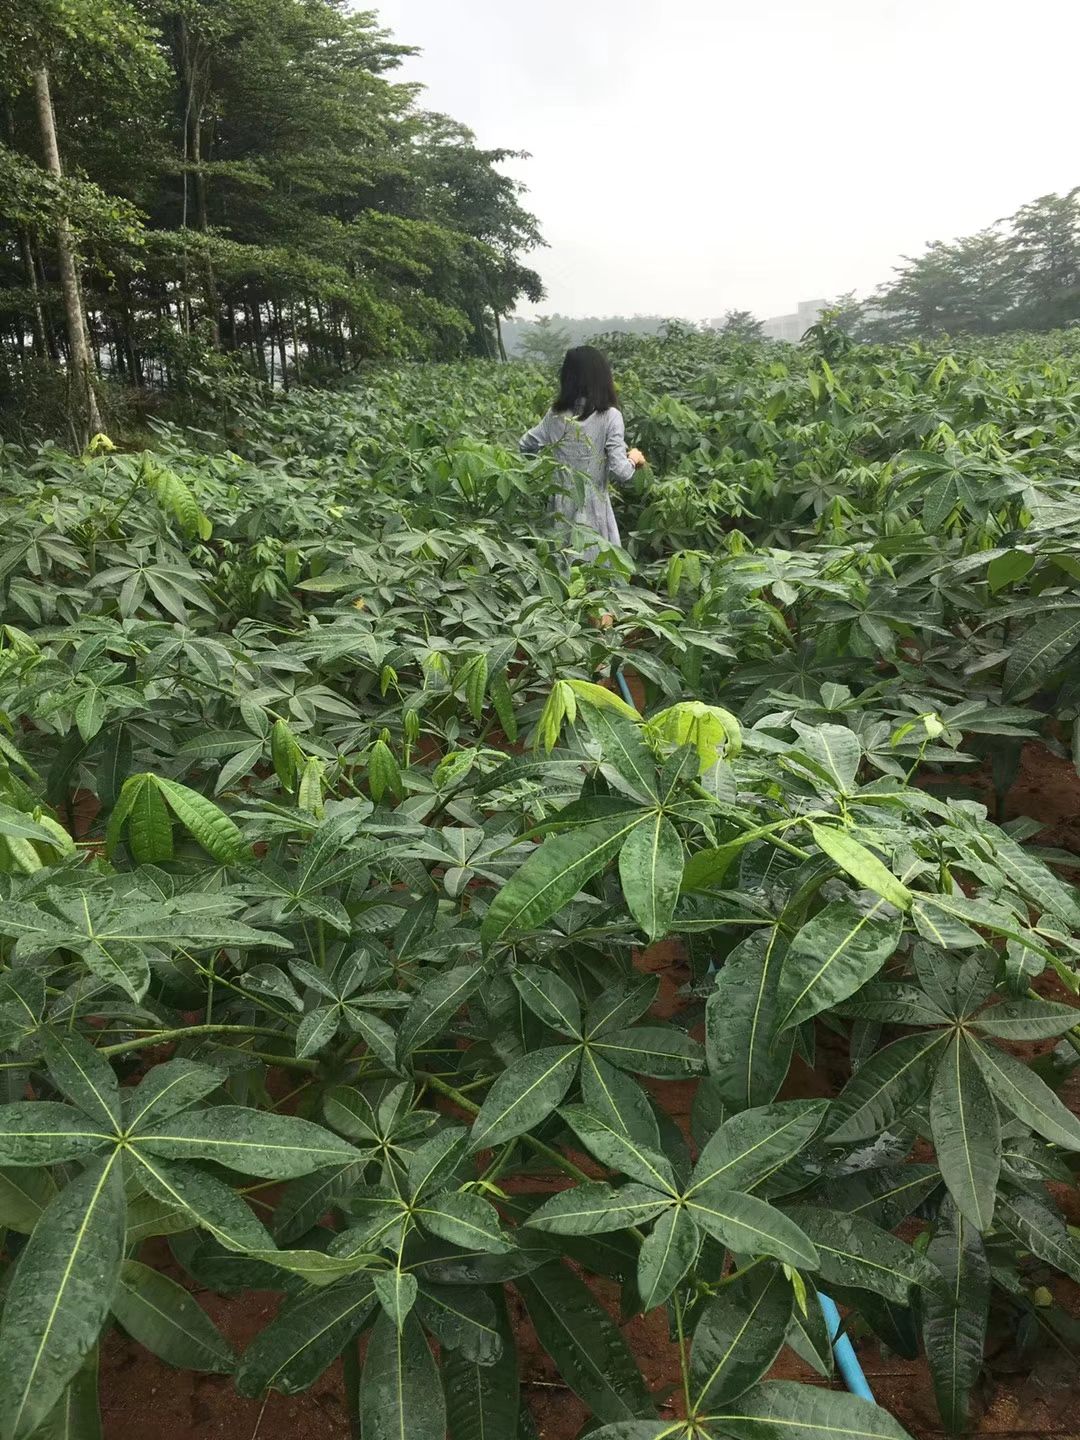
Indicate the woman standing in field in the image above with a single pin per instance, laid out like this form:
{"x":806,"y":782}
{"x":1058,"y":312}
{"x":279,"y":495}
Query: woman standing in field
{"x":584,"y":430}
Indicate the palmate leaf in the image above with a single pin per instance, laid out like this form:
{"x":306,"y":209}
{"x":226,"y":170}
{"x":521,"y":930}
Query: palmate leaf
{"x":739,"y":1335}
{"x":401,"y":1390}
{"x":42,"y":1132}
{"x":396,"y":1290}
{"x":802,"y":1412}
{"x":650,"y":870}
{"x":1041,"y":1230}
{"x":747,"y":1148}
{"x":463,"y":1218}
{"x":967,"y":1134}
{"x":596,"y":1209}
{"x":77,"y":1414}
{"x":525,"y":1094}
{"x":1026,"y":1020}
{"x":626,"y":757}
{"x":1029,"y":1098}
{"x":885,"y":1086}
{"x":618,"y":1100}
{"x":276,"y":1147}
{"x":1039,"y":651}
{"x":749,"y":1226}
{"x":60,"y":1295}
{"x":306,"y":1337}
{"x":746,"y":1057}
{"x":462,"y":1319}
{"x":660,"y":1051}
{"x":614,"y":1149}
{"x":668,"y":1252}
{"x":482,"y":1400}
{"x":861,"y":864}
{"x":212,"y":1205}
{"x":954,"y":1319}
{"x":163,"y":1316}
{"x":587,"y":1347}
{"x":84,"y":1076}
{"x":852,"y":1251}
{"x":549,"y":997}
{"x":832,"y":956}
{"x":553,"y":875}
{"x":435,"y":1005}
{"x":168,"y":1088}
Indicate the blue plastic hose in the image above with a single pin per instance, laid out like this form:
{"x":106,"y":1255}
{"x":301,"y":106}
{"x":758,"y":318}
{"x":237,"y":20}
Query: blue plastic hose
{"x":847,"y":1362}
{"x":621,"y":678}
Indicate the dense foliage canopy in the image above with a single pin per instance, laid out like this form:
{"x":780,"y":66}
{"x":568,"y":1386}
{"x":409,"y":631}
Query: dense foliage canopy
{"x":311,"y":767}
{"x":239,"y":179}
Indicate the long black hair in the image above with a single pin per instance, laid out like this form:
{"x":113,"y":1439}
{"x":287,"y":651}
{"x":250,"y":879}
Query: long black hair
{"x":586,"y":386}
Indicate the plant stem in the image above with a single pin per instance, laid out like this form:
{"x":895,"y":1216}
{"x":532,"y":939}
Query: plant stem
{"x":682,"y":1353}
{"x":162,"y":1037}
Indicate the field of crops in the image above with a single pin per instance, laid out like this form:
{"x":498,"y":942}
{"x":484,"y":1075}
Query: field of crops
{"x":334,"y":867}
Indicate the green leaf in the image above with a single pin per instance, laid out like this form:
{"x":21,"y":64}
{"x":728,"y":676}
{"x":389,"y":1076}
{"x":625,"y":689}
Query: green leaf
{"x":785,"y":1410}
{"x":276,"y":1147}
{"x":163,"y":1316}
{"x":836,"y":750}
{"x":1039,"y":651}
{"x":436,"y":1163}
{"x":655,"y":1050}
{"x":43,"y":1132}
{"x":212,"y":1205}
{"x":666,"y":1255}
{"x":650,"y":870}
{"x":306,"y":1200}
{"x":885,"y":1086}
{"x":401,"y":1391}
{"x":317,"y":1029}
{"x":396,"y":1290}
{"x":622,"y":749}
{"x":168,"y":1088}
{"x":436,"y":1003}
{"x":587,"y":1347}
{"x":614,"y":1149}
{"x":966,"y":1133}
{"x":553,"y":874}
{"x":84,"y":1076}
{"x":60,"y":1295}
{"x":549,"y":997}
{"x":525,"y":1094}
{"x":954,"y":1319}
{"x":618,"y":1100}
{"x":749,"y":1147}
{"x":24,"y":1194}
{"x":482,"y":1400}
{"x":739,"y":1336}
{"x":1041,"y":1230}
{"x":885,"y":1195}
{"x":597,"y":1209}
{"x":209,"y":825}
{"x":149,"y":828}
{"x":461,"y":1318}
{"x":463,"y":1218}
{"x":77,"y":1414}
{"x":1026,"y":1020}
{"x":745,"y":1055}
{"x":832,"y":956}
{"x":852,"y":1251}
{"x":1029,"y":1098}
{"x":749,"y":1226}
{"x":863,"y":866}
{"x":306,"y":1337}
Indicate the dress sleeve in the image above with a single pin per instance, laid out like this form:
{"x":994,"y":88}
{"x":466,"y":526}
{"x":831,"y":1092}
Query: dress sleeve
{"x":619,"y":465}
{"x":535,"y":439}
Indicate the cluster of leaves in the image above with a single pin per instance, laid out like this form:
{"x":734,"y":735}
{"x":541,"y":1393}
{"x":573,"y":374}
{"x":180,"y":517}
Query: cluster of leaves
{"x":312,"y":780}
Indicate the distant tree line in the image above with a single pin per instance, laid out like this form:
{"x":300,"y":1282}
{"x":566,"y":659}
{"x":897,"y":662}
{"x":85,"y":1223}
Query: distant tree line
{"x":1021,"y":273}
{"x":191,"y":184}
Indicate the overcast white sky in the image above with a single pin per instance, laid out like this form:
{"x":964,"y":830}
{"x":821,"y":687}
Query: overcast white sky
{"x":694,"y":155}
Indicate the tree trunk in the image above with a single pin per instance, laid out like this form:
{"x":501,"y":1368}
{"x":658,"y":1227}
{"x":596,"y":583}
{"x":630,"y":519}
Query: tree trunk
{"x":499,"y":334}
{"x":78,"y":338}
{"x":280,"y":325}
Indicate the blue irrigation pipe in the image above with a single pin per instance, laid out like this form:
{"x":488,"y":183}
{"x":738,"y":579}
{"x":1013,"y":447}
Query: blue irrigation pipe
{"x":847,"y":1362}
{"x":623,"y":686}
